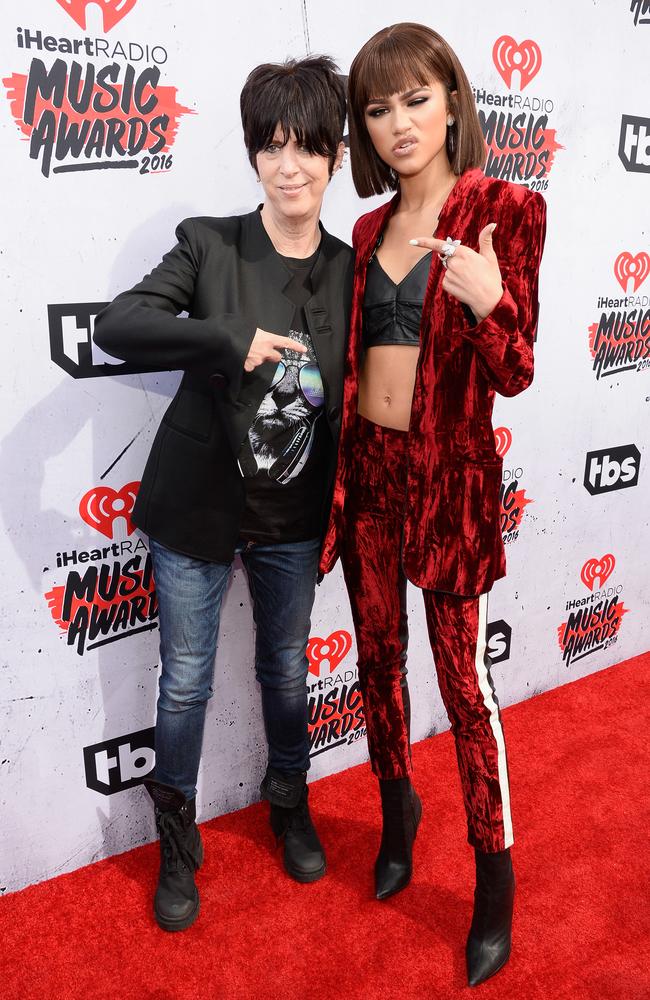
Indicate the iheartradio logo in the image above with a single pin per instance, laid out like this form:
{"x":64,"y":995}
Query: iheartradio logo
{"x":627,"y":267}
{"x":597,"y":569}
{"x":100,"y":507}
{"x":112,"y":10}
{"x":332,"y":651}
{"x":508,"y":56}
{"x":502,"y":440}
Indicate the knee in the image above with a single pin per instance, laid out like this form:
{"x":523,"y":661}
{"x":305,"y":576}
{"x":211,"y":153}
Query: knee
{"x":285,"y":671}
{"x":179,"y":692}
{"x":471,"y":719}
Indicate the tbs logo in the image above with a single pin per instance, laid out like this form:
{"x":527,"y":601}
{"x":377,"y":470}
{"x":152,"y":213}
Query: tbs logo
{"x":72,"y":347}
{"x":612,"y":469}
{"x":120,"y":763}
{"x":499,"y":636}
{"x":634,"y":144}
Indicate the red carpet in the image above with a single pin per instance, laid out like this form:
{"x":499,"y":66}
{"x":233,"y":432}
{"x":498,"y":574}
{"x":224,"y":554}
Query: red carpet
{"x":579,"y":767}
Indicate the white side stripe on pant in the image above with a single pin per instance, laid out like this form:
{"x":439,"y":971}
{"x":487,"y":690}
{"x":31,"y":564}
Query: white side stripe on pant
{"x":495,"y":722}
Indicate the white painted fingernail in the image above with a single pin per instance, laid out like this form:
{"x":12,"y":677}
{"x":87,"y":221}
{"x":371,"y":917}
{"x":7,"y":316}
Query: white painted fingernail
{"x":414,"y":243}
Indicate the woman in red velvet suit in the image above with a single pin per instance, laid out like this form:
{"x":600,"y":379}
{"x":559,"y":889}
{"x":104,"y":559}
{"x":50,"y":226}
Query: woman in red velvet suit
{"x":438,"y":326}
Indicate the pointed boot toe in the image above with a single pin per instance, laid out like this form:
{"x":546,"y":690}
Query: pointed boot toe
{"x":485,"y":958}
{"x":490,"y":936}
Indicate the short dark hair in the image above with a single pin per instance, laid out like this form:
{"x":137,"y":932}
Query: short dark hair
{"x":303,"y":96}
{"x":395,"y":59}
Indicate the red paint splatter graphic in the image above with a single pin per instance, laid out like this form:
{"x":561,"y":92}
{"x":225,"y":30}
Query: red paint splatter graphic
{"x":520,"y":146}
{"x":513,"y":503}
{"x":81,"y":118}
{"x":102,"y":606}
{"x":591,"y":628}
{"x":620,"y":341}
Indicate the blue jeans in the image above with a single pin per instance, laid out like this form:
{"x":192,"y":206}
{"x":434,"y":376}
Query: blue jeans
{"x":282,"y":581}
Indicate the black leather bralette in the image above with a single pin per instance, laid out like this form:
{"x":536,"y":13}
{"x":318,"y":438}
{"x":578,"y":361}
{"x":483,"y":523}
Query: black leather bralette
{"x":392,"y":313}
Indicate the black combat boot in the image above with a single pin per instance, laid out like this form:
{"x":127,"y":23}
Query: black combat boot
{"x":304,"y":858}
{"x":176,"y":903}
{"x":401,"y":811}
{"x":488,"y":944}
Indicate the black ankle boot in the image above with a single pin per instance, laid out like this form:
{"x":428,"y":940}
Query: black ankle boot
{"x":304,"y":858}
{"x":176,"y":903}
{"x":489,"y":941}
{"x":401,"y":810}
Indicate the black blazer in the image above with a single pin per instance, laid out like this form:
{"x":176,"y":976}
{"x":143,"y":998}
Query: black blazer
{"x":226,"y":274}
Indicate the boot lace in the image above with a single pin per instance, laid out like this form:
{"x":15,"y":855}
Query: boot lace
{"x":173,"y":840}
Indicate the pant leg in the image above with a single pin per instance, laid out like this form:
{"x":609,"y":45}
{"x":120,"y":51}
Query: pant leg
{"x":457,"y":632}
{"x":376,"y":585}
{"x":282,"y":580}
{"x":189,"y":593}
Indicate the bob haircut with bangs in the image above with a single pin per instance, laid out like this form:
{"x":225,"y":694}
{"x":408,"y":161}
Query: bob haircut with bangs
{"x":397,"y":59}
{"x":303,"y":96}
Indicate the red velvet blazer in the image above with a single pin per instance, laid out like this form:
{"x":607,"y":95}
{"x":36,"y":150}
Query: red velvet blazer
{"x":452,"y":534}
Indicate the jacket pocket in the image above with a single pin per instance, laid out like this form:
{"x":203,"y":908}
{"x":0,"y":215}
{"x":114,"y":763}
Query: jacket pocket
{"x":191,"y":412}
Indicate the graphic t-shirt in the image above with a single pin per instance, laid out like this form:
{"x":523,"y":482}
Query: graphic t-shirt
{"x":284,"y":458}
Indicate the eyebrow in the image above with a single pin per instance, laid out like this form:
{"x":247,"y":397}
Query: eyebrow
{"x":403,"y":97}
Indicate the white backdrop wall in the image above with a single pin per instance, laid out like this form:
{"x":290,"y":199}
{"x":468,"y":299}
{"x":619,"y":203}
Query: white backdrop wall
{"x":78,"y":673}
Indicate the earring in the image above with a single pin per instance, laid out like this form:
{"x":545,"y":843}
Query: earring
{"x":451,"y":120}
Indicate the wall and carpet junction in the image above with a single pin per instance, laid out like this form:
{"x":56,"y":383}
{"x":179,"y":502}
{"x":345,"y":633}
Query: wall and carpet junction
{"x":119,"y":119}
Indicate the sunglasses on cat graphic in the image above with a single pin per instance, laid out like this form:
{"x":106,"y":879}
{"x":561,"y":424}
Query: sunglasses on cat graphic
{"x":309,"y":380}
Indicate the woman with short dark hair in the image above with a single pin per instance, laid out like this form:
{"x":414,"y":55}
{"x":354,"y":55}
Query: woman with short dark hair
{"x":244,"y":458}
{"x":437,"y":328}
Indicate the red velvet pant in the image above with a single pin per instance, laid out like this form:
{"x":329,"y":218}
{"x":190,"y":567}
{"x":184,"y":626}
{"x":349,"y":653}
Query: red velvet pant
{"x":376,"y":585}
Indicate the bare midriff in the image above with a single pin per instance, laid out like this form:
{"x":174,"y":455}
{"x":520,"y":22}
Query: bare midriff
{"x":388,"y":371}
{"x":386,"y":385}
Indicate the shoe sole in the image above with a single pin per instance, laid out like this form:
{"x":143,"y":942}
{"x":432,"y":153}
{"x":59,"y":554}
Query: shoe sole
{"x":178,"y":925}
{"x":182,"y":925}
{"x":306,"y":877}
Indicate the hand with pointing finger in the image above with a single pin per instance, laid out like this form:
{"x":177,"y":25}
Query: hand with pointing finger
{"x":267,"y":346}
{"x":472,"y":278}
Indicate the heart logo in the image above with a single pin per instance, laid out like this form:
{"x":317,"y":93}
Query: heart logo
{"x":112,"y":10}
{"x":597,"y":569}
{"x":508,"y":56}
{"x":502,"y":440}
{"x":331,"y":650}
{"x":626,"y":266}
{"x":100,"y":506}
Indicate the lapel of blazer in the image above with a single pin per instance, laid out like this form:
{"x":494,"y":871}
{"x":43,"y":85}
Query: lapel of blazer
{"x":455,"y":215}
{"x":368,"y":233}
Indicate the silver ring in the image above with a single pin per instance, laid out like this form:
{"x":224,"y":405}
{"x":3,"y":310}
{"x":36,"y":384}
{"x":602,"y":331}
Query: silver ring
{"x":448,"y":250}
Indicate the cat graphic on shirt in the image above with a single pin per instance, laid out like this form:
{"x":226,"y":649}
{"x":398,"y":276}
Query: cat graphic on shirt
{"x":284,"y":415}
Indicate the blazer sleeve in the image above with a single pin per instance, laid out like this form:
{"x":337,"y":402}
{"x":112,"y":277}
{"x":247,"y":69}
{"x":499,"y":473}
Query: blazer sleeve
{"x":504,"y":340}
{"x":142,"y":325}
